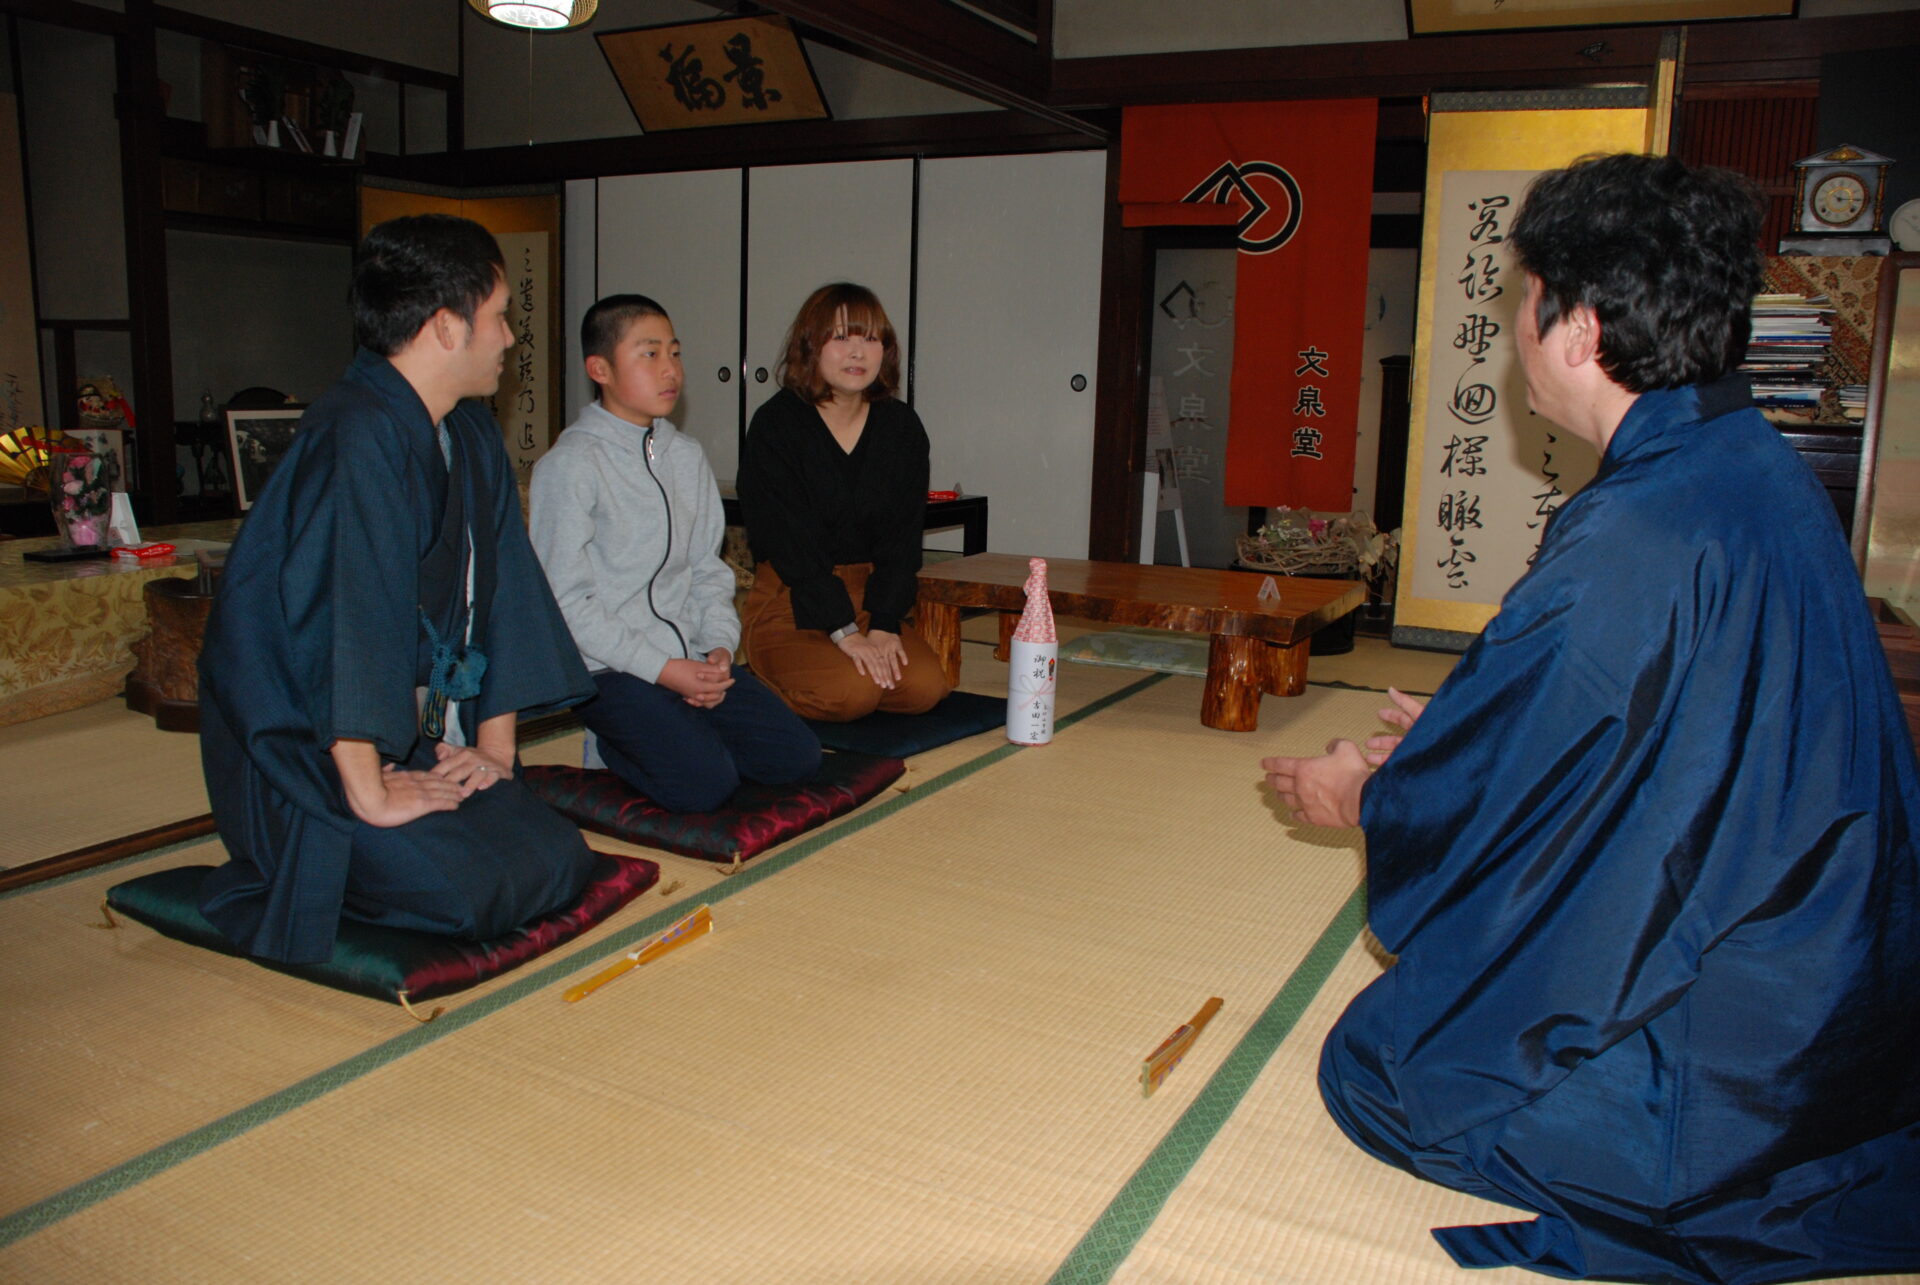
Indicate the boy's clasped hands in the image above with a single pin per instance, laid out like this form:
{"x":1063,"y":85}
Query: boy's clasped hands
{"x":702,"y":684}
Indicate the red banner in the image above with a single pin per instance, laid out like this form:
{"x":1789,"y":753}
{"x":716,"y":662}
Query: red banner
{"x":1296,"y":180}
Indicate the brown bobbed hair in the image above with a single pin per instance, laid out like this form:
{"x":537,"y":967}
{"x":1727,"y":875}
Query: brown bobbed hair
{"x":818,"y":321}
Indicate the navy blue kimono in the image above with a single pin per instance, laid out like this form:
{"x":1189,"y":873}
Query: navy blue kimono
{"x":1647,"y":863}
{"x":316,"y":635}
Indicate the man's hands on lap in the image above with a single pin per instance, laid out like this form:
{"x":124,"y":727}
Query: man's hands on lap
{"x":471,"y":767}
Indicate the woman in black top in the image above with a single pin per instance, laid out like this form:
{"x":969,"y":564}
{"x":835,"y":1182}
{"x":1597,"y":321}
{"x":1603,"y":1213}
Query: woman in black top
{"x":833,"y":487}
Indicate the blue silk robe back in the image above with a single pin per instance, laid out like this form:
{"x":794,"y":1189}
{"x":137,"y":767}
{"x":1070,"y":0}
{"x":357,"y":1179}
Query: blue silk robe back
{"x":315,"y":635}
{"x":1647,"y":863}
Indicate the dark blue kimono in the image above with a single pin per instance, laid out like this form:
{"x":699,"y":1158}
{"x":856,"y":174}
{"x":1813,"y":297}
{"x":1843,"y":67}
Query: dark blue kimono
{"x":316,"y":635}
{"x":1647,"y":862}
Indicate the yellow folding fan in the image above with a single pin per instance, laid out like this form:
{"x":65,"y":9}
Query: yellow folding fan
{"x":23,"y":456}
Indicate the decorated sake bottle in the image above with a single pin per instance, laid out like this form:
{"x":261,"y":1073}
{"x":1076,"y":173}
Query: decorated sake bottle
{"x":1034,"y":653}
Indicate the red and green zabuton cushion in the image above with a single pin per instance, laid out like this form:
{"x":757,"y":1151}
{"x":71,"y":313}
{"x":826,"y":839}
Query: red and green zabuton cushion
{"x":393,"y":964}
{"x":756,"y":818}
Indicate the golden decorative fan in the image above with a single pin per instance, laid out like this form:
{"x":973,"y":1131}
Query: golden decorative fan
{"x":23,"y":456}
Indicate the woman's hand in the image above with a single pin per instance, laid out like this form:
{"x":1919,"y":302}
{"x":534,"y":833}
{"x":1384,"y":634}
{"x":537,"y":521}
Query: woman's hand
{"x":470,"y":767}
{"x":877,"y":654}
{"x":1402,"y":714}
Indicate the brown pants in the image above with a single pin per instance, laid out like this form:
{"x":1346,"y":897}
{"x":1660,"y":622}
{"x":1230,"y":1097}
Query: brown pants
{"x":812,"y":674}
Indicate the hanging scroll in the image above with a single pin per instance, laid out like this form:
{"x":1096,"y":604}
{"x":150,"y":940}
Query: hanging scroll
{"x":1483,"y":472}
{"x":523,"y":404}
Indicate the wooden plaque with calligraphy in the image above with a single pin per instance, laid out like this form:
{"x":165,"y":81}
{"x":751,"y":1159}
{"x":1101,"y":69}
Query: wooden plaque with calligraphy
{"x":731,"y":71}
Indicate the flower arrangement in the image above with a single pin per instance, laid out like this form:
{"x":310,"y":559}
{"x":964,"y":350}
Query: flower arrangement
{"x":80,"y":497}
{"x":1297,"y":543}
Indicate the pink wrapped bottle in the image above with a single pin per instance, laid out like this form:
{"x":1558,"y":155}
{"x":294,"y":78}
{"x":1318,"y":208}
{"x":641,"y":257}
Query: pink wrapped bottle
{"x":1034,"y":656}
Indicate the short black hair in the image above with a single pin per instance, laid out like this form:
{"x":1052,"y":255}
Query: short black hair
{"x":605,"y":322}
{"x":409,"y":268}
{"x":1666,"y":254}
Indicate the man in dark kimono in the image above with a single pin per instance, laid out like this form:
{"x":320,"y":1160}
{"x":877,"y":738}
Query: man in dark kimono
{"x":1646,"y":859}
{"x":380,"y":623}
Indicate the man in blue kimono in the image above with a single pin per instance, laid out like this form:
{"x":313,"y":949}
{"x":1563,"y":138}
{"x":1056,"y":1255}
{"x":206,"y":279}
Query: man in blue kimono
{"x":1647,"y":858}
{"x":380,"y":623}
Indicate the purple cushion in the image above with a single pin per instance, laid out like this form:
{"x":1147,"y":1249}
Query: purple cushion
{"x":392,"y":963}
{"x":756,"y":818}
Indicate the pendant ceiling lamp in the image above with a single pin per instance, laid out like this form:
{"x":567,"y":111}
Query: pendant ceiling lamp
{"x":537,"y":15}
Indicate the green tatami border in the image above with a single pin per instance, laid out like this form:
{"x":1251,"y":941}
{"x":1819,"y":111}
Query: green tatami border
{"x":88,"y":1192}
{"x":1133,"y":1209}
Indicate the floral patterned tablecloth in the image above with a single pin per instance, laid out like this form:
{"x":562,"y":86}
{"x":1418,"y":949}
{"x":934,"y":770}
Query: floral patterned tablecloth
{"x":65,"y":627}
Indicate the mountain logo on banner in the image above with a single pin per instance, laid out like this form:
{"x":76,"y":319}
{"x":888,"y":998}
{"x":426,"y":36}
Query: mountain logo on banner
{"x":1278,"y":218}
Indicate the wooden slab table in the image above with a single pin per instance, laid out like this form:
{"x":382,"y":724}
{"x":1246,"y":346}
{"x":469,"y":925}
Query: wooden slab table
{"x":1254,"y":646}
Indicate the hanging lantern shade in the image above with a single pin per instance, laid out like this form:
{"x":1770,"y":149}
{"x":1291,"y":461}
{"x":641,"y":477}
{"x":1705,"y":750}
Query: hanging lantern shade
{"x":538,"y":15}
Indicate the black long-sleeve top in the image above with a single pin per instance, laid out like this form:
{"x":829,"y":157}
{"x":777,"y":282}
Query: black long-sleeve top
{"x":810,"y":506}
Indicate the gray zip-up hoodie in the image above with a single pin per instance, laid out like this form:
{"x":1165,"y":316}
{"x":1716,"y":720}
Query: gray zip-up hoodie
{"x":628,"y":524}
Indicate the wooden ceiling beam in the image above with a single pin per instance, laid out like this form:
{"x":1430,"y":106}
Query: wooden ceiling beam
{"x":1769,"y":49}
{"x":942,"y":43}
{"x":991,"y":133}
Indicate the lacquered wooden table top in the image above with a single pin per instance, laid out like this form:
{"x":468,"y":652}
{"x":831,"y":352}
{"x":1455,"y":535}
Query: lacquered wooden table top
{"x":1191,"y":599}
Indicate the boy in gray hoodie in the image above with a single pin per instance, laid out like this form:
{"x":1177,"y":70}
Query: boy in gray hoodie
{"x":626,"y":519}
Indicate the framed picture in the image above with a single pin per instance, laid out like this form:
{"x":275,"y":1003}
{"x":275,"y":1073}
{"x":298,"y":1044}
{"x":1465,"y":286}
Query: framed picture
{"x":257,"y":440}
{"x":109,"y":444}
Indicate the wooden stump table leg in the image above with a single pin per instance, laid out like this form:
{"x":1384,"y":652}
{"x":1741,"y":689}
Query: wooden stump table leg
{"x":1237,"y":671}
{"x":939,"y":624}
{"x":1287,"y":668}
{"x":1009,"y":621}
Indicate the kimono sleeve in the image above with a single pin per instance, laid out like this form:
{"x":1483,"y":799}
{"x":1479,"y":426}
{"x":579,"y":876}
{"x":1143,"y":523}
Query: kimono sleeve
{"x":350,"y":585}
{"x":532,"y":662}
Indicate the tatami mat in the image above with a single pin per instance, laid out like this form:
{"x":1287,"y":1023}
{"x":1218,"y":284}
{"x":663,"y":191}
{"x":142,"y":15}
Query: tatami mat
{"x":1376,"y":663}
{"x":1282,"y":1196}
{"x":90,"y":775}
{"x":911,"y":1056}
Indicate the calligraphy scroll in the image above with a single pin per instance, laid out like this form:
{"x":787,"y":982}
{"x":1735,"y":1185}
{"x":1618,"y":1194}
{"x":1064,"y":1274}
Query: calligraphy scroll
{"x":730,"y":71}
{"x":1483,"y":472}
{"x":523,"y":404}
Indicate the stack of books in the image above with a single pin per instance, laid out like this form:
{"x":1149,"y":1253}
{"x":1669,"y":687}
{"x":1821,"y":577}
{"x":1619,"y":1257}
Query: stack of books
{"x":1853,"y":402}
{"x":1791,"y":336}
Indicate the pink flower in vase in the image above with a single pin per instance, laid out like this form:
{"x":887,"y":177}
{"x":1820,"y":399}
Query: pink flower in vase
{"x":1316,"y":527}
{"x":85,"y":531}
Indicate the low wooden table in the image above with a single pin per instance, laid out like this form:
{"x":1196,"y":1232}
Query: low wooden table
{"x":1255,"y":646}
